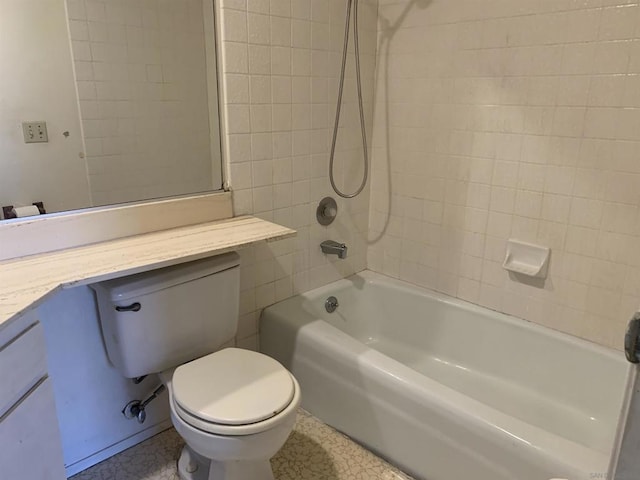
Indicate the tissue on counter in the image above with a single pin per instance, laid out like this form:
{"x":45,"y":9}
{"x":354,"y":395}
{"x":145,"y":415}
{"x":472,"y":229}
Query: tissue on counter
{"x":27,"y":211}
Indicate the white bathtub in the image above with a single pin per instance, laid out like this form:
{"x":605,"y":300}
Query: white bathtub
{"x":448,"y":390}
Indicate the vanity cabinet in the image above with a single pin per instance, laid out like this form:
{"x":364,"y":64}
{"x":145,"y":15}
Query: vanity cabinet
{"x":29,"y":432}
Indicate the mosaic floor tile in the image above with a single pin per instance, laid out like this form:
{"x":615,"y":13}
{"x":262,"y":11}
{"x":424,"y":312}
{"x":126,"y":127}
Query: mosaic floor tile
{"x":314,"y":451}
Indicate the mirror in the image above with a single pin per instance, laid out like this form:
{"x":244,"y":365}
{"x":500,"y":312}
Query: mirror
{"x":127,"y":91}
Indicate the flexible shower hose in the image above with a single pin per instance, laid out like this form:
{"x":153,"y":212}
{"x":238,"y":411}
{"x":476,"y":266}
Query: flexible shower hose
{"x":339,"y":103}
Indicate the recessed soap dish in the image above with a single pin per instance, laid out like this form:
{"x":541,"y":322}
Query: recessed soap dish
{"x":527,"y":259}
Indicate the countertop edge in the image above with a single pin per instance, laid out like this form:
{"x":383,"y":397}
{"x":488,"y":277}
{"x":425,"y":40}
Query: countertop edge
{"x":28,"y":281}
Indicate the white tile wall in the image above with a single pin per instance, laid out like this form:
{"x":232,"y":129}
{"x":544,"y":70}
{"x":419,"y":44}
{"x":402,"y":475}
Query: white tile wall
{"x":281,"y":62}
{"x":497,"y":119}
{"x":492,"y":120}
{"x":142,"y":84}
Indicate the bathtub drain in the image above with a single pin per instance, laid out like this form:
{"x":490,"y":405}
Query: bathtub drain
{"x":331,"y":304}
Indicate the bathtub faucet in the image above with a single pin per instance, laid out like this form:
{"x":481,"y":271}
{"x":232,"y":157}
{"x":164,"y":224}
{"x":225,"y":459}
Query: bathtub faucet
{"x":334,"y":248}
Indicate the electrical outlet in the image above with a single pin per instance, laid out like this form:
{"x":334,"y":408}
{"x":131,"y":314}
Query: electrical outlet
{"x":35,"y":132}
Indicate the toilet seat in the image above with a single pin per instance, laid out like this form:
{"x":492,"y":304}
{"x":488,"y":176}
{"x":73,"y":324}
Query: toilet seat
{"x":232,"y":392}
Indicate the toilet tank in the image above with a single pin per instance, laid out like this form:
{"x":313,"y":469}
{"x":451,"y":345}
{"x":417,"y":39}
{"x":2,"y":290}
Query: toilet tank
{"x":160,"y":319}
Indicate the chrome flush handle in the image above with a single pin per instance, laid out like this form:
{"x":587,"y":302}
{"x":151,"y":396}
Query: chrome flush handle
{"x":632,"y":339}
{"x":134,"y":307}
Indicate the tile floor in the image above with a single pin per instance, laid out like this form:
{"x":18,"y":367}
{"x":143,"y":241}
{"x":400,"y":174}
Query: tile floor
{"x":314,"y":451}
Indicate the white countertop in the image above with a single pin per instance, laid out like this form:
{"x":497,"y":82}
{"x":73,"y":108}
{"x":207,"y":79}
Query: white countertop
{"x":25,"y":282}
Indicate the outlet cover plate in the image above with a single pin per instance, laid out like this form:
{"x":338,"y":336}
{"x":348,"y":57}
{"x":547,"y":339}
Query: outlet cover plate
{"x":35,"y":132}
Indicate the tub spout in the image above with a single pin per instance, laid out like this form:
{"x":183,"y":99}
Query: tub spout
{"x":334,"y":248}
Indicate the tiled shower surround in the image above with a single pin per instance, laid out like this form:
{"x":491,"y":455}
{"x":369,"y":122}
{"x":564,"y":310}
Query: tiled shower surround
{"x":493,"y":119}
{"x":280,"y":62}
{"x":511,"y":119}
{"x":488,"y":120}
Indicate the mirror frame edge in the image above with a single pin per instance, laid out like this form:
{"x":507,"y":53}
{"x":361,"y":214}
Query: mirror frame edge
{"x":225,"y":167}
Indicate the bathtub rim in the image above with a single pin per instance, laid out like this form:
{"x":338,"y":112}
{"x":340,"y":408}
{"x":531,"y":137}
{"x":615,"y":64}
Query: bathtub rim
{"x":372,"y":277}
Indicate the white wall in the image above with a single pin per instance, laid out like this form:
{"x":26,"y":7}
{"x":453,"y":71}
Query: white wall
{"x":89,"y":392}
{"x":514,"y":119}
{"x":36,"y":83}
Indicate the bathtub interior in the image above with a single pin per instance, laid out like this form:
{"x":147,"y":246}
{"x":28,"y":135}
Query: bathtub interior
{"x":552,"y":381}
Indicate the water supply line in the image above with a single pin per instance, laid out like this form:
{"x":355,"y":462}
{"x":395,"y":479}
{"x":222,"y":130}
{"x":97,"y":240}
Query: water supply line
{"x":339,"y":103}
{"x":136,"y":408}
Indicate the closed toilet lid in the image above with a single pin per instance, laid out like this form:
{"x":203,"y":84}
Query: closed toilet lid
{"x":233,"y":387}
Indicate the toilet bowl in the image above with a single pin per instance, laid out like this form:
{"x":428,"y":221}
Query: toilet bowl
{"x":234,"y":408}
{"x":214,"y":407}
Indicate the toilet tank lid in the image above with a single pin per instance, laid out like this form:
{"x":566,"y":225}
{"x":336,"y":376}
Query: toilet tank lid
{"x":159,"y":279}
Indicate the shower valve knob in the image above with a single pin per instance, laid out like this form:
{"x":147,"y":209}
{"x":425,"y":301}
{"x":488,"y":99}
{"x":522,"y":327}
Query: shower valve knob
{"x":327,"y":211}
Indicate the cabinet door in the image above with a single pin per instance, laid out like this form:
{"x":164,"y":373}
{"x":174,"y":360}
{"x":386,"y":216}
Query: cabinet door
{"x":23,"y":364}
{"x":30,"y":438}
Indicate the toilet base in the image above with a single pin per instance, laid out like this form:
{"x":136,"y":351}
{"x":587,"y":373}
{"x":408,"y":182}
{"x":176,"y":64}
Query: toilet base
{"x":192,"y":466}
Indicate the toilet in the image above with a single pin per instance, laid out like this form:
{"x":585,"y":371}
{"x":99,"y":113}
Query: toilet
{"x":234,"y":408}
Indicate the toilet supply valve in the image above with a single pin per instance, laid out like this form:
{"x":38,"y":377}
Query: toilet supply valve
{"x":136,"y":408}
